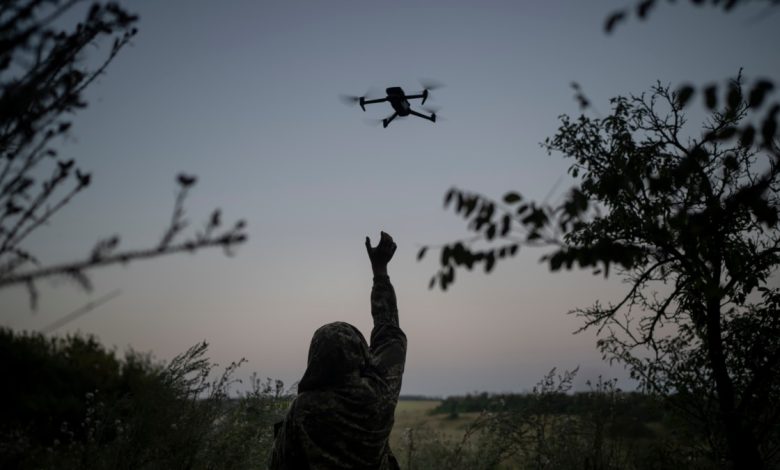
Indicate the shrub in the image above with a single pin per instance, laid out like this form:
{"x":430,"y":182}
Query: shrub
{"x":78,"y":406}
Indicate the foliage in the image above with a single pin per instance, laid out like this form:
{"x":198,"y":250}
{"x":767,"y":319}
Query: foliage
{"x":76,"y":405}
{"x":42,"y":80}
{"x":692,"y":224}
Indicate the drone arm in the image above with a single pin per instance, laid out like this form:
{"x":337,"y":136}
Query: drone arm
{"x":431,"y":118}
{"x":380,"y":100}
{"x":423,"y":95}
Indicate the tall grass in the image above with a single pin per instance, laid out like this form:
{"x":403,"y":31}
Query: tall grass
{"x":537,"y":435}
{"x":70,"y":403}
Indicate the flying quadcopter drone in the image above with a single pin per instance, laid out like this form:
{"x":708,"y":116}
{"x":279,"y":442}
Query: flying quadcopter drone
{"x":399,"y":101}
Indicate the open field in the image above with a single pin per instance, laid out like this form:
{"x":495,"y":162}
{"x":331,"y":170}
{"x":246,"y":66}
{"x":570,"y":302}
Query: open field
{"x":416,"y":414}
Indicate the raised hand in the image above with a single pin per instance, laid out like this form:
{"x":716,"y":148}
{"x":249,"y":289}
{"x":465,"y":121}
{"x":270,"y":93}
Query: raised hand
{"x":381,"y":254}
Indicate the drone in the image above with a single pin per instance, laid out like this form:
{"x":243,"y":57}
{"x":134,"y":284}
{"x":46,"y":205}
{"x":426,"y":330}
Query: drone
{"x":399,"y":101}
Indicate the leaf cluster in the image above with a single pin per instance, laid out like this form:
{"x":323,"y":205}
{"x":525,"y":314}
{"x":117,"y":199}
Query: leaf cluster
{"x":643,"y":8}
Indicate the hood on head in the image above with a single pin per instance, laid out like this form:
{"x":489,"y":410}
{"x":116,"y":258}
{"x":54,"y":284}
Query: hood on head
{"x":337,"y":352}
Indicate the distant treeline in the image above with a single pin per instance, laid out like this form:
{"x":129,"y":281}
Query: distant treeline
{"x":642,"y":407}
{"x":418,"y":398}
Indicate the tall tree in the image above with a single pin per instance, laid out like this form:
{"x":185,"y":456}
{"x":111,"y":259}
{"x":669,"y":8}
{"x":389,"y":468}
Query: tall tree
{"x":692,"y":224}
{"x":42,"y":81}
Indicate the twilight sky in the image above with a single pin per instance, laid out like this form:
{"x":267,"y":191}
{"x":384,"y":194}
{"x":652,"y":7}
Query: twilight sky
{"x":245,"y":95}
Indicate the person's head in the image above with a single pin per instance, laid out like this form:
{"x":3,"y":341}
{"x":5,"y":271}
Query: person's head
{"x":338,"y":352}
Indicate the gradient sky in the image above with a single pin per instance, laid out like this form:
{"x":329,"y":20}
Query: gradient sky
{"x":245,"y":95}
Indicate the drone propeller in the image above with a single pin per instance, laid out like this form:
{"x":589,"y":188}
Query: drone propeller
{"x":430,"y":85}
{"x":350,"y":100}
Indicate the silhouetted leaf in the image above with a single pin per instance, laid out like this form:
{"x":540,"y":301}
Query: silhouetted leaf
{"x":490,"y":261}
{"x":556,"y":260}
{"x":442,"y":282}
{"x":83,"y":178}
{"x":613,"y":19}
{"x":216,"y":219}
{"x":512,"y":197}
{"x":186,"y":180}
{"x":11,"y":208}
{"x":730,"y":162}
{"x":421,"y":253}
{"x":734,"y":97}
{"x":471,"y":204}
{"x":711,"y":96}
{"x":769,"y":127}
{"x":684,"y":95}
{"x":759,"y":92}
{"x":522,"y":208}
{"x":506,"y":225}
{"x":448,"y":197}
{"x":491,"y":232}
{"x":644,"y":7}
{"x":747,"y":137}
{"x":444,"y":255}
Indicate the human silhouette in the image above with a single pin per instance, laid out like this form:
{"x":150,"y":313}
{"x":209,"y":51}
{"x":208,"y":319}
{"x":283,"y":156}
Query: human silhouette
{"x":343,"y":413}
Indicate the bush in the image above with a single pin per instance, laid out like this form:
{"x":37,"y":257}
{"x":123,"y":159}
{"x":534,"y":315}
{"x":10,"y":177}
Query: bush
{"x":74,"y":404}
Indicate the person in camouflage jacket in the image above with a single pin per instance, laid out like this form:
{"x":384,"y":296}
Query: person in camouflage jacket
{"x":343,"y":413}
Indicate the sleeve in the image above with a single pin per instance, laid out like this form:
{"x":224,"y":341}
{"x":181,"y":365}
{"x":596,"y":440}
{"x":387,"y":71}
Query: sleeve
{"x":388,"y":341}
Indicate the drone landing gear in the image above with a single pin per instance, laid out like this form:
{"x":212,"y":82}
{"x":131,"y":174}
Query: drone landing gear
{"x":387,"y":121}
{"x":431,"y":118}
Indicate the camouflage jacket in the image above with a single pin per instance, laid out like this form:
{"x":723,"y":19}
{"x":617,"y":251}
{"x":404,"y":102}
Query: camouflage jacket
{"x":343,"y":413}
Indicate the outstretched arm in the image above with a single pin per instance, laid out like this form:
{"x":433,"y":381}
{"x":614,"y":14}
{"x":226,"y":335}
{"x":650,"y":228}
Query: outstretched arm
{"x":388,"y":342}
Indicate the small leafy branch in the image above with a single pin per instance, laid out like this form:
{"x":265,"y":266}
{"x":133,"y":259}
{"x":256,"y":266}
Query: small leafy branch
{"x":42,"y":79}
{"x":635,"y":159}
{"x":106,"y":252}
{"x":643,"y":8}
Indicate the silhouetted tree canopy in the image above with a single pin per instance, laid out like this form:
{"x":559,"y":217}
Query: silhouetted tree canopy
{"x":42,"y":80}
{"x":690,"y":221}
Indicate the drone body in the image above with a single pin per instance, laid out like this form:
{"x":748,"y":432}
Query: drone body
{"x":399,"y":101}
